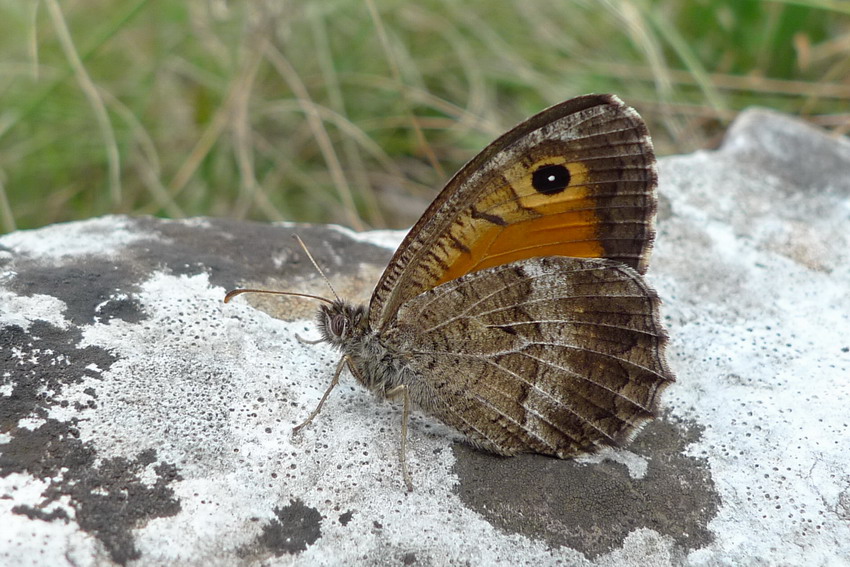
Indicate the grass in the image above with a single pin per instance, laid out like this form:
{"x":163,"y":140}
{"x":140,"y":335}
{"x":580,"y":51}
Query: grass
{"x":356,"y":111}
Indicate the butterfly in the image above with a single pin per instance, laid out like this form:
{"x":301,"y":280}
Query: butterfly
{"x":515,"y":310}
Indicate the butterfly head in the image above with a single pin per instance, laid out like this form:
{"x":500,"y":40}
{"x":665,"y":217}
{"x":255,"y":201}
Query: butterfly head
{"x":340,"y":323}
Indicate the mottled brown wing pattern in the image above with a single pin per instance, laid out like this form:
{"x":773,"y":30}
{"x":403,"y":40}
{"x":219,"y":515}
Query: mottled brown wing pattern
{"x":563,"y":354}
{"x":576,"y":180}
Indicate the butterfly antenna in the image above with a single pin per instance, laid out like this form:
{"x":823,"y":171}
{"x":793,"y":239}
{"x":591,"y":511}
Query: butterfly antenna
{"x":315,"y":265}
{"x":234,"y":292}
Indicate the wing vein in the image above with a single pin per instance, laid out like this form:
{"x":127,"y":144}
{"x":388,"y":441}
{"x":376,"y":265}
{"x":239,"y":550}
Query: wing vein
{"x":556,"y":401}
{"x":577,"y":322}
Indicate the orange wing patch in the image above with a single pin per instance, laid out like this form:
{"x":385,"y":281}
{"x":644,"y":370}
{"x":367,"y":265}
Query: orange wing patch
{"x":542,"y":210}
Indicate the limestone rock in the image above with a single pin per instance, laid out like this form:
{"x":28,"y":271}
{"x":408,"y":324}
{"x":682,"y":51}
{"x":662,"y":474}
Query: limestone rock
{"x":143,"y":420}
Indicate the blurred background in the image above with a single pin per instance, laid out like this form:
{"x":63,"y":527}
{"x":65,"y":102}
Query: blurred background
{"x":357,"y":111}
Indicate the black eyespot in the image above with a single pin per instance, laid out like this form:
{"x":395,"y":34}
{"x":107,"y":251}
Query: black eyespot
{"x":550,"y":179}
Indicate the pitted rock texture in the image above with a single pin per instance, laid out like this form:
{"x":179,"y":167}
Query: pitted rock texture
{"x":145,"y":422}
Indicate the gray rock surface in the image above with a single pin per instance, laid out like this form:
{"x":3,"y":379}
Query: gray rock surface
{"x":145,"y":422}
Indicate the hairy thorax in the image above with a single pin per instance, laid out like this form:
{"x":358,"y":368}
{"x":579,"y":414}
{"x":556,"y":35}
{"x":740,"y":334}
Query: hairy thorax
{"x":377,"y":366}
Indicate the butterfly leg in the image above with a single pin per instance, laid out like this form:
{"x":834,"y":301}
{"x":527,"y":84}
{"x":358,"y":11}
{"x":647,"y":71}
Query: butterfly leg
{"x":345,"y":360}
{"x":304,"y":341}
{"x":392,"y":393}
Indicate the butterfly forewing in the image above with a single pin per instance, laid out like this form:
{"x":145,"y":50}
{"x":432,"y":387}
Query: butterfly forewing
{"x":562,"y":354}
{"x":576,"y":180}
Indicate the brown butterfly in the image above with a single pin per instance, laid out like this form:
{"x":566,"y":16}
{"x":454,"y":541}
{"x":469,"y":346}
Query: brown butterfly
{"x":515,"y":309}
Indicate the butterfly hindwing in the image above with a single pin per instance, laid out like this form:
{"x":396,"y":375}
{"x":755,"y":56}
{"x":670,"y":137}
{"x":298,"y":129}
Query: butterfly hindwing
{"x":576,"y":180}
{"x":565,"y":354}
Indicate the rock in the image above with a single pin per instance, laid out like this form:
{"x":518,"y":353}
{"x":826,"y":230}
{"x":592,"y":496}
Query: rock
{"x":143,"y":420}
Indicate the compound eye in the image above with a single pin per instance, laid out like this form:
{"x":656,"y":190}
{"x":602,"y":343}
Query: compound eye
{"x":338,"y":325}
